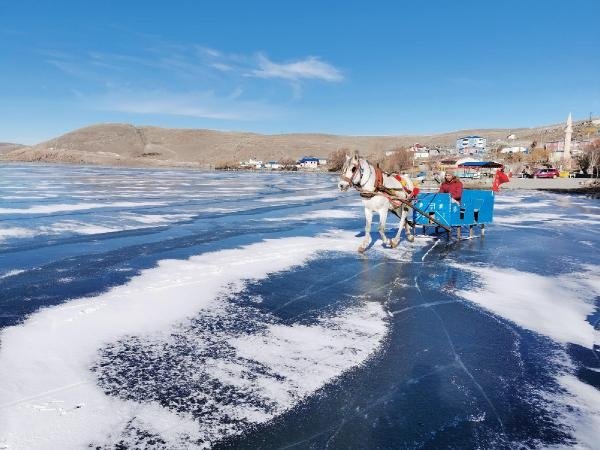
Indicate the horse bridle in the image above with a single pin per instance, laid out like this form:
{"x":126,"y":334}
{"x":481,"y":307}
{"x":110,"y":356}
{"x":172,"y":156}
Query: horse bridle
{"x":356,"y":169}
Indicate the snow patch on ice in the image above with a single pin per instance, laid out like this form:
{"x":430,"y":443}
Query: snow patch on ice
{"x":581,"y":413}
{"x":74,"y":226}
{"x":62,"y":343}
{"x":511,"y":198}
{"x":158,"y":219}
{"x":48,"y":209}
{"x":556,"y":307}
{"x":11,"y":273}
{"x":16,"y":232}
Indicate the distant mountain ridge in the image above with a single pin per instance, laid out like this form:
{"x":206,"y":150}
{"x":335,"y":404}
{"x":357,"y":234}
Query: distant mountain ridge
{"x":128,"y":145}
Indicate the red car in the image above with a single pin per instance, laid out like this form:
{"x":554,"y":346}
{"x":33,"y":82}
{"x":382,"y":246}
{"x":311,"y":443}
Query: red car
{"x":546,"y":173}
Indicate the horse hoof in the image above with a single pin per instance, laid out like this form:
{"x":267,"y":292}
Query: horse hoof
{"x":394,"y":243}
{"x":361,"y":249}
{"x":410,"y":238}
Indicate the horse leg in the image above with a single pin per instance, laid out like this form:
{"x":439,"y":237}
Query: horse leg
{"x":409,"y":234}
{"x":367,"y":239}
{"x":383,"y":212}
{"x":396,"y":239}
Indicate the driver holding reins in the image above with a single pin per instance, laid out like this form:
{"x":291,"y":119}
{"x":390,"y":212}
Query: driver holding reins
{"x":452,"y":185}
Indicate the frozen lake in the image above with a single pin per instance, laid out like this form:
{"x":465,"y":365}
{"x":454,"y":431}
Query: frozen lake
{"x":180,"y":309}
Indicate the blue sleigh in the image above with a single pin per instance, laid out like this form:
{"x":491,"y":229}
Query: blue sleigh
{"x":437,"y":210}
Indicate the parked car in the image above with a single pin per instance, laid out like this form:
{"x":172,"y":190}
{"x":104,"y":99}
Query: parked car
{"x":579,"y":174}
{"x":546,"y":173}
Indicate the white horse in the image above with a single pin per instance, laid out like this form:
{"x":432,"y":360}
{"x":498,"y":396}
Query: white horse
{"x":359,"y":173}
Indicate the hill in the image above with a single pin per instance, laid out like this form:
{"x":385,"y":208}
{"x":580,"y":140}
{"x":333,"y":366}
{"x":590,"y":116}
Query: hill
{"x":6,"y":147}
{"x":128,"y":145}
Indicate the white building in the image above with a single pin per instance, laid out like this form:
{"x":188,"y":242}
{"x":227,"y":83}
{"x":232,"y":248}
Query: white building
{"x":309,"y":162}
{"x":471,"y":145}
{"x":419,"y":151}
{"x":254,"y":163}
{"x":273,"y":165}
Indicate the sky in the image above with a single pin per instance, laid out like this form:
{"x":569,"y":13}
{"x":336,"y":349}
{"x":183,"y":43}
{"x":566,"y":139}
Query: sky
{"x":343,"y":67}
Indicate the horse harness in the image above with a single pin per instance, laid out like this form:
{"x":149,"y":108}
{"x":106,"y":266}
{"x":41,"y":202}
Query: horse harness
{"x":380,"y":189}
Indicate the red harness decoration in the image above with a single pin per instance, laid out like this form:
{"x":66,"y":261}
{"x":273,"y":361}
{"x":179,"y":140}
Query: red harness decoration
{"x":410,"y":193}
{"x":378,"y":179}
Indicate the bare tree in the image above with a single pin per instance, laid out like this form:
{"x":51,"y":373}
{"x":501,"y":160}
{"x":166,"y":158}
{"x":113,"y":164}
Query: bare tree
{"x":539,"y":156}
{"x":288,"y":164}
{"x":593,"y":154}
{"x":337,"y":159}
{"x":496,"y":151}
{"x":583,"y":160}
{"x":400,"y":160}
{"x":227,"y":165}
{"x":513,"y":157}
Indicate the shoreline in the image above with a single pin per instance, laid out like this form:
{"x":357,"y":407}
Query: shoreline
{"x":575,"y":186}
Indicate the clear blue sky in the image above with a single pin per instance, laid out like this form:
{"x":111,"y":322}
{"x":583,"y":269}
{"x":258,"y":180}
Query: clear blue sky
{"x":280,"y":66}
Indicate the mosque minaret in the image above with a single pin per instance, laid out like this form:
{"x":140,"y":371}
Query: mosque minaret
{"x":567,"y":148}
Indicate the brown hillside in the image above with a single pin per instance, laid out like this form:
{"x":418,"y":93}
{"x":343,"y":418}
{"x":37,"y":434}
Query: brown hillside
{"x":6,"y":147}
{"x":127,"y":145}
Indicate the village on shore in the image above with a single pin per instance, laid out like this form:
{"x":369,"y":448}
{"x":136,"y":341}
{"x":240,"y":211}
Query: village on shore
{"x":473,"y":158}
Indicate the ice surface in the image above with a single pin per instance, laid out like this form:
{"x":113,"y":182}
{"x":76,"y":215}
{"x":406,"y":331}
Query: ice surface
{"x":321,"y":214}
{"x":186,"y":309}
{"x":299,"y":198}
{"x":61,"y":343}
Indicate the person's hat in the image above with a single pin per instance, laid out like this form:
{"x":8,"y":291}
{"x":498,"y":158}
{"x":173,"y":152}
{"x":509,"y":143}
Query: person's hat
{"x":449,"y":172}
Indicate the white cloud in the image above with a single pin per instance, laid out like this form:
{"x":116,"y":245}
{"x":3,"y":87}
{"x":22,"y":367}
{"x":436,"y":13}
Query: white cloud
{"x":193,"y":81}
{"x":308,"y":68}
{"x":204,"y":105}
{"x":207,"y":51}
{"x":222,"y":67}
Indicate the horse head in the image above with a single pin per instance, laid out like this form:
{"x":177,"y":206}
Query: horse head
{"x":351,"y":173}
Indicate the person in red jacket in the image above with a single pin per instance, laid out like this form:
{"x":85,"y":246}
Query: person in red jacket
{"x":452,"y":186}
{"x":500,"y":178}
